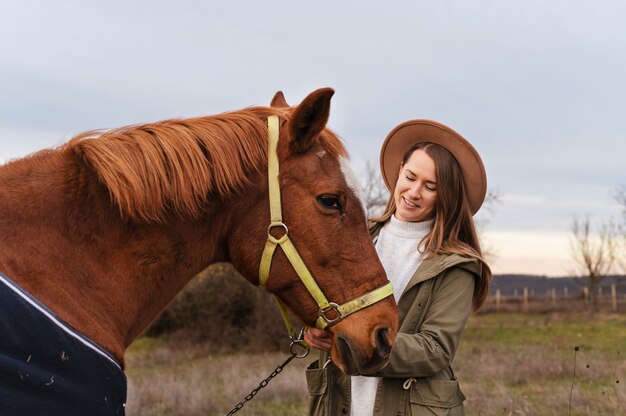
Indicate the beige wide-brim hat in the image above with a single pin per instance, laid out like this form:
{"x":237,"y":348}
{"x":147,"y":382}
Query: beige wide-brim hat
{"x":405,"y":135}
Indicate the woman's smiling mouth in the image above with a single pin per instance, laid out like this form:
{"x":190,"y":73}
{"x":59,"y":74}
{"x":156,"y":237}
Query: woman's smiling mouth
{"x":409,"y":203}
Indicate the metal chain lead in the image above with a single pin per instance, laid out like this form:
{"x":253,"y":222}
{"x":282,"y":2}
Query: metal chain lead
{"x":295,"y":344}
{"x":263,"y":384}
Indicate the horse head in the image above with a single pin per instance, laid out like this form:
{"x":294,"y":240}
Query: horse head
{"x":325,"y":219}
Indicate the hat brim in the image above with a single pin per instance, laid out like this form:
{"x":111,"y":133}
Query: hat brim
{"x":411,"y":132}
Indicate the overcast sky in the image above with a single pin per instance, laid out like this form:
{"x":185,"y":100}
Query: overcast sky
{"x":538,"y":87}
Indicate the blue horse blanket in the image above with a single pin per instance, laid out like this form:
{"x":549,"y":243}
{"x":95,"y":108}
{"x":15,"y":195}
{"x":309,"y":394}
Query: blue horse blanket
{"x":47,"y":368}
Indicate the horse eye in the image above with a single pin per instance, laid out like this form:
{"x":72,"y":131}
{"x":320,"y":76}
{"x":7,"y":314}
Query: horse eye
{"x":329,"y":201}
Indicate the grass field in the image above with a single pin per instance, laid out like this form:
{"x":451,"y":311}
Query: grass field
{"x":173,"y":379}
{"x":523,"y":364}
{"x":508,"y":364}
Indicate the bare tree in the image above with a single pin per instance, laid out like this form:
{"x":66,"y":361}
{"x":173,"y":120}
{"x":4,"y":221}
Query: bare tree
{"x":620,"y":197}
{"x":493,"y":198}
{"x":374,"y":190}
{"x":593,"y":254}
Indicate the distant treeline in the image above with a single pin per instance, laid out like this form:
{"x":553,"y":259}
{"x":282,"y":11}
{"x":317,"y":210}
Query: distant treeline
{"x":510,"y":284}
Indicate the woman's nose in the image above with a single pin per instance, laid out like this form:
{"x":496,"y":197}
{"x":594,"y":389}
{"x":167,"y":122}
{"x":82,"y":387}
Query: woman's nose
{"x":415,"y":191}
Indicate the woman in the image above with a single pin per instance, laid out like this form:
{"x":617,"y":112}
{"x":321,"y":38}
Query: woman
{"x":427,"y":243}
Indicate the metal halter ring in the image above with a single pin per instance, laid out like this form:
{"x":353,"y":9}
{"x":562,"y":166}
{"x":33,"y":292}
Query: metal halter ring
{"x":277,"y":224}
{"x":333,"y":307}
{"x":299,"y":348}
{"x":298,"y":343}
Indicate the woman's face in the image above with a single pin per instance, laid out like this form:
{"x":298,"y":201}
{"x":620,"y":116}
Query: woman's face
{"x":416,"y":190}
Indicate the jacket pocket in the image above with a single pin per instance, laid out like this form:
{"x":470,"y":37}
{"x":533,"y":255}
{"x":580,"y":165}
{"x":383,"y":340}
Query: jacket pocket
{"x":436,"y":398}
{"x":317,"y":382}
{"x":316,"y":379}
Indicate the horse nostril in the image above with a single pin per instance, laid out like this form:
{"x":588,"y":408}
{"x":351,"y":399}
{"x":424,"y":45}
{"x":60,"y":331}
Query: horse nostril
{"x":382,"y":344}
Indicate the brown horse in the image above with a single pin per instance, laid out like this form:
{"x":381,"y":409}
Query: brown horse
{"x":107,"y":228}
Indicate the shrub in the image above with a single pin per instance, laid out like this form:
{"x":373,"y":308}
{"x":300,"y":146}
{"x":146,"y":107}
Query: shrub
{"x":220,"y":307}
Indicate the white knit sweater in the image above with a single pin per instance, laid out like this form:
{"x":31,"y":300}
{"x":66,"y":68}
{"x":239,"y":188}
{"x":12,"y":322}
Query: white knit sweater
{"x":397,"y":249}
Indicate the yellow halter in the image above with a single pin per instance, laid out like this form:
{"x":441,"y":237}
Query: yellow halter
{"x":337,"y":312}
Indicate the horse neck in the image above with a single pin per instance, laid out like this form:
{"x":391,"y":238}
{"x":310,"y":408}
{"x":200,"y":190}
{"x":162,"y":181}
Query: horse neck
{"x":68,"y":246}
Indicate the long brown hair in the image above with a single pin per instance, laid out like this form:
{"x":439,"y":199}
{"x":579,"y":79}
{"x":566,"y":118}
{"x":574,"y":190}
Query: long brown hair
{"x":453,"y":231}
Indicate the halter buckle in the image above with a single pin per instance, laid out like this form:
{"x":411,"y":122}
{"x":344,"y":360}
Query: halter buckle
{"x":332,"y":307}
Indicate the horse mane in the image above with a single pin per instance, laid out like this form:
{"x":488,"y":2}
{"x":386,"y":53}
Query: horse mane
{"x":174,"y":166}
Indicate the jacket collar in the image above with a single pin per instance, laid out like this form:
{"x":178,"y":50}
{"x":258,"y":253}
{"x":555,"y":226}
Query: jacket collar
{"x":438,"y":263}
{"x":434,"y":264}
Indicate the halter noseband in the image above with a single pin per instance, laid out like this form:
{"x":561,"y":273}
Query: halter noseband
{"x":326,"y":308}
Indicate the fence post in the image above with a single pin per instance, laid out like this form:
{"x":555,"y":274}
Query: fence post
{"x":614,"y":297}
{"x":565,"y":292}
{"x":498,"y":300}
{"x":553,"y":294}
{"x":586,"y":294}
{"x":525,"y":298}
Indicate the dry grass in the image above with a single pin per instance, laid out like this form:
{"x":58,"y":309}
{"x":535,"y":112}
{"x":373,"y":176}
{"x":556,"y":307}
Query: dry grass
{"x":508,"y":364}
{"x":171,"y":380}
{"x":520,"y":364}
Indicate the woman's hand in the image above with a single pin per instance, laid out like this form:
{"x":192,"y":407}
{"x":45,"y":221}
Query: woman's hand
{"x":318,"y":339}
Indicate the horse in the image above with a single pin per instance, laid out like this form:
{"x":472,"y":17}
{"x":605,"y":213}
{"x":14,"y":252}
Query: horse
{"x":100,"y":233}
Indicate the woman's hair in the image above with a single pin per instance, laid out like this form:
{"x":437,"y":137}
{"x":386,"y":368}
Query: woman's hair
{"x":453,"y":231}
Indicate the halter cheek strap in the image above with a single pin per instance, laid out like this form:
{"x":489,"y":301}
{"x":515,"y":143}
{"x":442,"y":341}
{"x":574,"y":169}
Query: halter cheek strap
{"x":329,"y":312}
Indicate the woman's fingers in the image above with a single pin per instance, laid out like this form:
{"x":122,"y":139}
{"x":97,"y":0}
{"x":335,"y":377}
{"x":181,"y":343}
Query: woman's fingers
{"x":318,"y":339}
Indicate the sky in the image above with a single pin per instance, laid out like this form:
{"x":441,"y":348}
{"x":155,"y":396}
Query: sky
{"x":537,"y":87}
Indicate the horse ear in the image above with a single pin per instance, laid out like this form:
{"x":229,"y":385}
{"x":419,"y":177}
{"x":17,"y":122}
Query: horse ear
{"x":279,"y":100}
{"x":309,"y":119}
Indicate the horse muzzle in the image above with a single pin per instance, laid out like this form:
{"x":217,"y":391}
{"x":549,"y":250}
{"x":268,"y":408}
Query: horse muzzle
{"x":362,"y":343}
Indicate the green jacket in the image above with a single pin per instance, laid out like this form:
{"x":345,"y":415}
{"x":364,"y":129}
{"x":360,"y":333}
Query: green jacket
{"x":418,"y":380}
